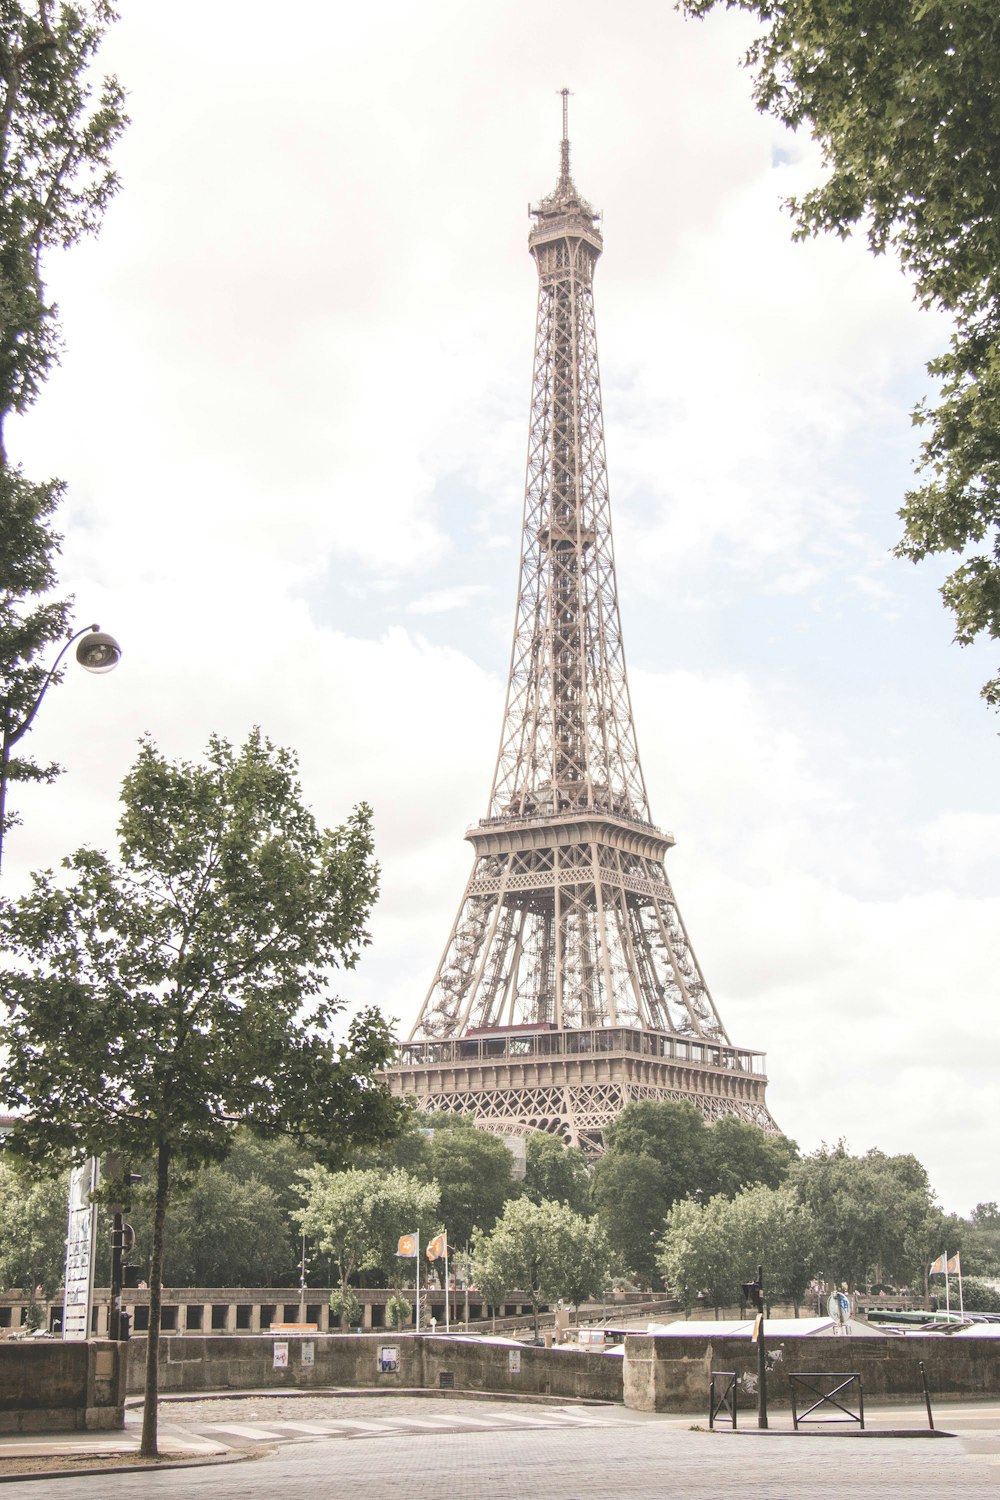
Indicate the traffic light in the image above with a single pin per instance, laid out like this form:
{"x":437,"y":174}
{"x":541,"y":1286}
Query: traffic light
{"x":753,"y":1293}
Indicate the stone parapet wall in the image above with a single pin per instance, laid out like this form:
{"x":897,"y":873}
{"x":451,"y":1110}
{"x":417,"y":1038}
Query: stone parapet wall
{"x":672,"y":1374}
{"x":355,"y":1361}
{"x":50,"y":1386}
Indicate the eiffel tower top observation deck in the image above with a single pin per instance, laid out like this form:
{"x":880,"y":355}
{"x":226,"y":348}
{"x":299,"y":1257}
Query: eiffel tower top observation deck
{"x":568,"y":923}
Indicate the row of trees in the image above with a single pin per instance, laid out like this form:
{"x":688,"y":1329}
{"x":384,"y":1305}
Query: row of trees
{"x":846,"y":1220}
{"x":861,"y":1219}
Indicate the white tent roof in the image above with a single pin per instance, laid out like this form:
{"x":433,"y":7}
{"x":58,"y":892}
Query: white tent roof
{"x":785,"y":1328}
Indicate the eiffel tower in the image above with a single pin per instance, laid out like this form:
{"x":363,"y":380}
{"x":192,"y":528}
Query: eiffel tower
{"x":568,"y":986}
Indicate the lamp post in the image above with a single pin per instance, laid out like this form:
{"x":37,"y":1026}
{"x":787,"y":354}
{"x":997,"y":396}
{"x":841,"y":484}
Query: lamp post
{"x":97,"y":652}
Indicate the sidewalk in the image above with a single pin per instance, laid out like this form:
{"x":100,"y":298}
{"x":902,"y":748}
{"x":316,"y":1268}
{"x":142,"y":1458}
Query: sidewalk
{"x":34,"y":1455}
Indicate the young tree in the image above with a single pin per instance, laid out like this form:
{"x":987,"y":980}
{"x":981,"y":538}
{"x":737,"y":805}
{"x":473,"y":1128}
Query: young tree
{"x":155,"y":1001}
{"x":55,"y":183}
{"x":712,"y":1248}
{"x":544,"y":1249}
{"x":773,"y":1228}
{"x":902,"y":99}
{"x":357,"y":1217}
{"x":695,"y":1256}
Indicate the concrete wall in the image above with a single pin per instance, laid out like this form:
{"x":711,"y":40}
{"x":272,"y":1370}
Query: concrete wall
{"x":672,"y":1374}
{"x":49,"y":1386}
{"x":352,"y":1360}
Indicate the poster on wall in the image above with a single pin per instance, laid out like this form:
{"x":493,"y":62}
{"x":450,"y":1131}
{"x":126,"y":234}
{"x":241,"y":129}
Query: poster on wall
{"x":514,"y":1361}
{"x":280,"y":1357}
{"x":388,"y":1359}
{"x":308,"y":1355}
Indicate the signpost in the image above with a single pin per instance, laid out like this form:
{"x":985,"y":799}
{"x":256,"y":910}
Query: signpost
{"x":81,"y":1249}
{"x":753,"y":1291}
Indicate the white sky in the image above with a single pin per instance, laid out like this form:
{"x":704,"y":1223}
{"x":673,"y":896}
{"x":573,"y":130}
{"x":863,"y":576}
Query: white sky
{"x":292,"y":415}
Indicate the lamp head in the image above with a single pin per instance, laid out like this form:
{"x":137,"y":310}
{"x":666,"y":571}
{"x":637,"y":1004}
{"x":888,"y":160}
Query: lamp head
{"x":98,"y":651}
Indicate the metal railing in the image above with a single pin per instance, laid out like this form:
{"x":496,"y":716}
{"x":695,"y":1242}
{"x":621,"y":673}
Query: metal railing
{"x":804,"y":1382}
{"x":722,"y":1406}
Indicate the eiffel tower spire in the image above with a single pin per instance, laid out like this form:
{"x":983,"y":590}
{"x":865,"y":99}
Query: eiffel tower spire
{"x":568,"y":937}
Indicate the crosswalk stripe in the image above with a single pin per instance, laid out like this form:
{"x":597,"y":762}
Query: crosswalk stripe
{"x":472,"y":1421}
{"x":514,"y":1418}
{"x":574,"y":1416}
{"x":258,"y":1434}
{"x":365,"y":1426}
{"x":428,"y":1422}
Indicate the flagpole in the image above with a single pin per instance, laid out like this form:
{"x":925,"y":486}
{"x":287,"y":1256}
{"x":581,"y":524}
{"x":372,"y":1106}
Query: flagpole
{"x":418,"y":1282}
{"x":947,"y":1285}
{"x":961,"y":1299}
{"x":447,"y":1296}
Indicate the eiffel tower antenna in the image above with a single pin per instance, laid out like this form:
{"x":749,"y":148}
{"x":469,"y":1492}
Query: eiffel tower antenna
{"x":568,"y":985}
{"x":564,"y":146}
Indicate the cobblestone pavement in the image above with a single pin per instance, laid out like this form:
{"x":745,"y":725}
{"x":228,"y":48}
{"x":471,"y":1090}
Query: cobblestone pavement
{"x":610,"y":1454}
{"x":244,"y":1423}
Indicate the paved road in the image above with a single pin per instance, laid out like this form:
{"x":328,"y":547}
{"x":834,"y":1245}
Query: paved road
{"x":538,"y":1453}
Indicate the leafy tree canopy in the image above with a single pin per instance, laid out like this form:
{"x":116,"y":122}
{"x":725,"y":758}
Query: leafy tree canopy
{"x":55,"y":174}
{"x":473,"y":1170}
{"x":738,"y":1155}
{"x":557,"y":1172}
{"x":228,"y":1230}
{"x":902,"y":98}
{"x":980,"y":1242}
{"x":712,"y":1248}
{"x":873,"y":1214}
{"x":471,"y":1167}
{"x":33,"y":1216}
{"x":632,"y":1204}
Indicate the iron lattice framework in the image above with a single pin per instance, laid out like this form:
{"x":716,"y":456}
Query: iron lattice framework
{"x":568,"y":927}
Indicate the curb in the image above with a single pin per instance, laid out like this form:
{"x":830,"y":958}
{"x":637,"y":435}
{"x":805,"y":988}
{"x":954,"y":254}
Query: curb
{"x":95,"y":1471}
{"x":867,"y":1432}
{"x":528,"y":1398}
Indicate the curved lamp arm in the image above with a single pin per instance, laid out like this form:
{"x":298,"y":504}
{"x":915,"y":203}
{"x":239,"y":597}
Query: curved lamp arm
{"x":100,"y":653}
{"x":96,"y":652}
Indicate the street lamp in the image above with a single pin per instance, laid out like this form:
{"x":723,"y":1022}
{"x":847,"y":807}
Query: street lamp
{"x":97,"y":652}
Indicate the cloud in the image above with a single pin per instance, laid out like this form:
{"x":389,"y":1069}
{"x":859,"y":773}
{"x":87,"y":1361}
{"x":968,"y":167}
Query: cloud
{"x":443,"y":601}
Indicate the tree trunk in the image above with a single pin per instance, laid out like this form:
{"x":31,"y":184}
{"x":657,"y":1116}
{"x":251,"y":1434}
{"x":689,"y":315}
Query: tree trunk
{"x":148,"y":1448}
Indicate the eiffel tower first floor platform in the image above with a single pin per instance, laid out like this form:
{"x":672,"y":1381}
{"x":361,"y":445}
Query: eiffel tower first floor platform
{"x":573,"y":1083}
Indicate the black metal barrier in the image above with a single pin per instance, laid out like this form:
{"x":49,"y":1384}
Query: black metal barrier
{"x":723,"y":1409}
{"x":927,"y":1395}
{"x":803,"y":1382}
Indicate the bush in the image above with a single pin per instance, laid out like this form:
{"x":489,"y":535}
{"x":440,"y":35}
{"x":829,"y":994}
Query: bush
{"x":977,"y":1296}
{"x":346,"y":1308}
{"x":398,"y":1311}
